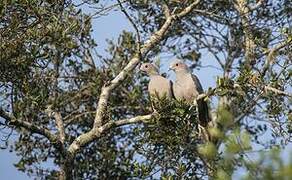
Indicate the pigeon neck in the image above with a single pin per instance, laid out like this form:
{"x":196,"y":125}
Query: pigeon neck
{"x":183,"y":72}
{"x":153,"y":75}
{"x":182,"y":75}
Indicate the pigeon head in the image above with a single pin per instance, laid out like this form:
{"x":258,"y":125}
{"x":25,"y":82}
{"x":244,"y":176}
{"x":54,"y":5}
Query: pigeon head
{"x":149,"y":69}
{"x":178,"y":66}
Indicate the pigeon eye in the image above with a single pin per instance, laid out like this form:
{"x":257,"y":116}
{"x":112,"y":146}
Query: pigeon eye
{"x":176,"y":64}
{"x":146,"y":66}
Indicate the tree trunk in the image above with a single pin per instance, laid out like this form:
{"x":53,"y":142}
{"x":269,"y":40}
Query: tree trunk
{"x":65,"y":172}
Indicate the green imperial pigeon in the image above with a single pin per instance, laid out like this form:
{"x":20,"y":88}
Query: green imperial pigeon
{"x":187,"y":87}
{"x":158,"y":85}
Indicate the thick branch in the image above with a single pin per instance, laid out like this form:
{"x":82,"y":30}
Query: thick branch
{"x":243,"y":9}
{"x":59,"y":123}
{"x":97,"y":132}
{"x":277,"y":91}
{"x":56,"y":113}
{"x":60,"y":126}
{"x":188,"y":9}
{"x":28,"y":126}
{"x":134,"y":120}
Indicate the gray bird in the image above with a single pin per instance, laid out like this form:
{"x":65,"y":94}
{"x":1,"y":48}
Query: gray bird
{"x":187,"y":87}
{"x":158,"y":85}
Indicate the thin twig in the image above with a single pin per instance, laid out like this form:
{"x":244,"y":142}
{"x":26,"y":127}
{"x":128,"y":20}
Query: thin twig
{"x":252,"y":103}
{"x":134,"y":26}
{"x":271,"y":53}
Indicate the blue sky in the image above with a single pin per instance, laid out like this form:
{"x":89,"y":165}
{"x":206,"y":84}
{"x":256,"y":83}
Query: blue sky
{"x":7,"y":170}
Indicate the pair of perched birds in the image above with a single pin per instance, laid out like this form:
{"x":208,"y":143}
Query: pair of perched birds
{"x":186,"y":87}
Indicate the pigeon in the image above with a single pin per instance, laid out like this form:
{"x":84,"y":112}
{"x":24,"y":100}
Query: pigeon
{"x":158,"y":85}
{"x":187,"y":87}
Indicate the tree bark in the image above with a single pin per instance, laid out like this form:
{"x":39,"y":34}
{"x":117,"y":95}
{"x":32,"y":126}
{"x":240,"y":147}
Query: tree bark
{"x":65,"y":172}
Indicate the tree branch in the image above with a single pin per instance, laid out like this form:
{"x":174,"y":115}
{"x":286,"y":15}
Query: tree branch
{"x":134,"y":120}
{"x":166,"y":10}
{"x":242,"y":7}
{"x":277,"y":91}
{"x":28,"y":126}
{"x":188,"y":9}
{"x":60,"y":126}
{"x":97,"y":132}
{"x":271,"y":55}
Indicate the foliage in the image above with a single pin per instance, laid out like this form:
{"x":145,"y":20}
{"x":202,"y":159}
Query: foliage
{"x":49,"y":64}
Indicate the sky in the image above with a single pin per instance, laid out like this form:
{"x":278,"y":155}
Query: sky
{"x":7,"y":170}
{"x":109,"y":27}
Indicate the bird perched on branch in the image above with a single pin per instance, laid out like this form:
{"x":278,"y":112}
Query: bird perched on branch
{"x":187,"y":87}
{"x":158,"y":85}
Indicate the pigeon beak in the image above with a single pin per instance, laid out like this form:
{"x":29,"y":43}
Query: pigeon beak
{"x":141,"y":68}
